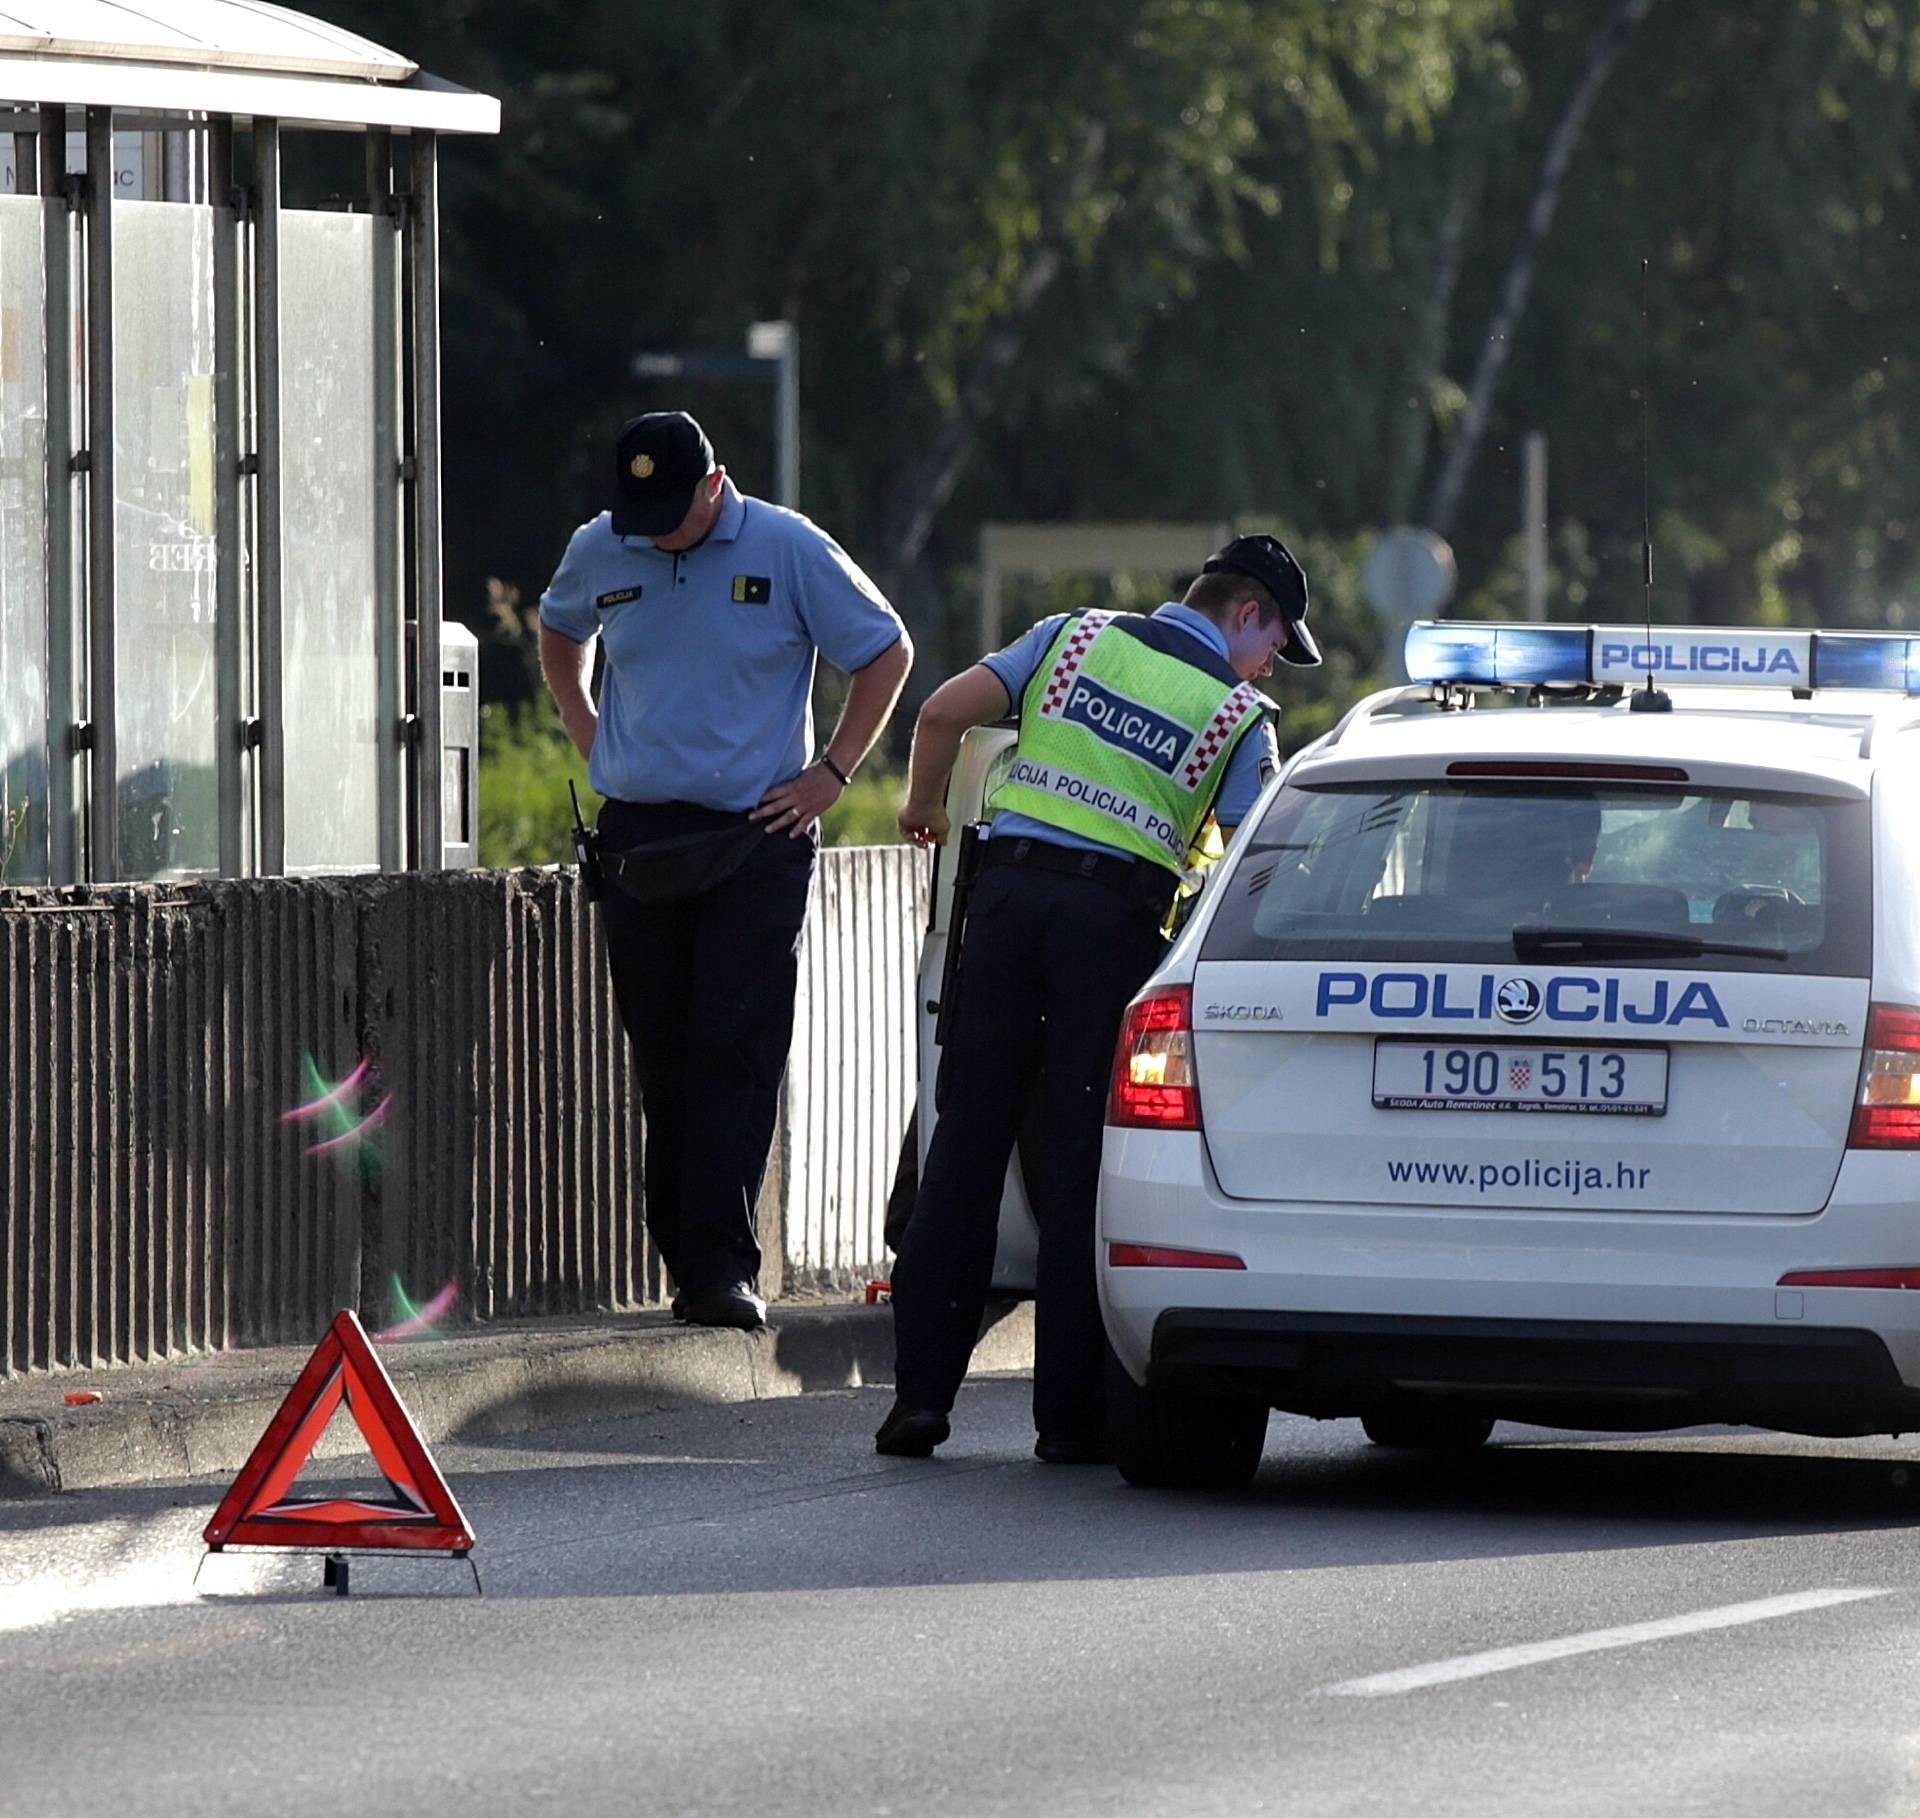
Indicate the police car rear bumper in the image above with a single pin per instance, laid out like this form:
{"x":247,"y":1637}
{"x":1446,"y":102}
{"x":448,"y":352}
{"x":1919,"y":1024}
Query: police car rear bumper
{"x":1700,"y":1295}
{"x":1569,"y":1373}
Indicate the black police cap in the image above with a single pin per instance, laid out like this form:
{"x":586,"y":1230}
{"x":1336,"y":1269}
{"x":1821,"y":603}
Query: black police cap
{"x":1270,"y":562}
{"x":658,"y":461}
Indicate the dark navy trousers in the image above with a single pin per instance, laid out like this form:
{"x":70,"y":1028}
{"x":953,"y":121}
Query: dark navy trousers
{"x":1049,"y":965}
{"x":705,"y":986}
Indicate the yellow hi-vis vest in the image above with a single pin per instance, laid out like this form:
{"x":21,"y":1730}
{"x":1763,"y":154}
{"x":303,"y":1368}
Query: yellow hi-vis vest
{"x":1125,"y":742}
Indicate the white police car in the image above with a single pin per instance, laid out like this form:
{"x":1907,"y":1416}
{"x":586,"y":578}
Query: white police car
{"x":1554,"y":1061}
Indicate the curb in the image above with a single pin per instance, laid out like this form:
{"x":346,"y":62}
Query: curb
{"x":157,"y":1423}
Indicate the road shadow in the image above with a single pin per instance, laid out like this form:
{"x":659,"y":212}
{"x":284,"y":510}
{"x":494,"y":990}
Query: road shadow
{"x":1706,"y":1482}
{"x":788,"y":1496}
{"x":1324,"y":1499}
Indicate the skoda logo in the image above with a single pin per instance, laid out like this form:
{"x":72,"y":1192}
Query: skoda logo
{"x":1517,"y":1000}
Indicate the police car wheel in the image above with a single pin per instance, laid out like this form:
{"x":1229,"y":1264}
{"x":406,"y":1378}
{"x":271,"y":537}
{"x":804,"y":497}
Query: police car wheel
{"x":1175,"y":1437}
{"x":1434,"y":1430}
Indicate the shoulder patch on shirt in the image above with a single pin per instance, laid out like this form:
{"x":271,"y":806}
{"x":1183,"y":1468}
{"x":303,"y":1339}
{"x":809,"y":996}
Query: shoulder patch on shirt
{"x":752,"y":589}
{"x":619,"y":597}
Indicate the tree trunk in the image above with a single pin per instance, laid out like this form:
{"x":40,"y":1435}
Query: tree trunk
{"x":928,"y":483}
{"x":1605,"y":51}
{"x":1407,"y":455}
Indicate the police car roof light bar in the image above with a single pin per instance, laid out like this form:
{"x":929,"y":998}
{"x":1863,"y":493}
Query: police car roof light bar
{"x":1475,"y":654}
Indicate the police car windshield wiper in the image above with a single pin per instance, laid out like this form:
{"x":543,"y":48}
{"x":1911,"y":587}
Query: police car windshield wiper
{"x":1532,"y":941}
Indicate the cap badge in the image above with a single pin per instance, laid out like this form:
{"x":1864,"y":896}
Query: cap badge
{"x":641,"y":466}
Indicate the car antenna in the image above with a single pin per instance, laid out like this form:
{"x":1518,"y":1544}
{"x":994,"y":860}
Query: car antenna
{"x":1649,"y":699}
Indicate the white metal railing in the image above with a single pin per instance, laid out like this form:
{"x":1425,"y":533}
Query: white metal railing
{"x":852,"y":1072}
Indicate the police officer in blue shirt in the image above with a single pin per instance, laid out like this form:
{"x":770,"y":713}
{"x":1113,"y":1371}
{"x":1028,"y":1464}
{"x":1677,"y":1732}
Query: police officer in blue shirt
{"x":711,"y":608}
{"x":1131,"y":729}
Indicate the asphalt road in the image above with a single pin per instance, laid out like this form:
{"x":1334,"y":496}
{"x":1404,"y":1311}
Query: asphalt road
{"x":742,"y":1610}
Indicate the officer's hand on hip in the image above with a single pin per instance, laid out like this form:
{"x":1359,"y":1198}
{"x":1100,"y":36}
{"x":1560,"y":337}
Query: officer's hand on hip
{"x":924,"y":826}
{"x":791,"y":808}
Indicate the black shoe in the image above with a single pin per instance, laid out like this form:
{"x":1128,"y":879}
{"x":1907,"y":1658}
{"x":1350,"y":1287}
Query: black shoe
{"x":910,"y":1432}
{"x":1073,"y":1448}
{"x":727,"y":1303}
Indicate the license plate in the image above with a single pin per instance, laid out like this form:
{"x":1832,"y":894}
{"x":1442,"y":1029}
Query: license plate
{"x":1502,"y":1076}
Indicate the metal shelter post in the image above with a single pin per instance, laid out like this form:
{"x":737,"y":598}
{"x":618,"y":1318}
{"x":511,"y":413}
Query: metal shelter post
{"x":268,"y":517}
{"x":389,"y":629}
{"x":103,"y":803}
{"x":231,"y":761}
{"x":64,"y":641}
{"x":429,"y":830}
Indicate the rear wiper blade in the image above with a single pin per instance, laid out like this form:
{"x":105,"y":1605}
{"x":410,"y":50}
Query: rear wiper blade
{"x":1534,"y":942}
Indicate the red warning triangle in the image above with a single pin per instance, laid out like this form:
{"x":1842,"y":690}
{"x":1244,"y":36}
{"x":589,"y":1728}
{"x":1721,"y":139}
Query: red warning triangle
{"x":258,"y":1512}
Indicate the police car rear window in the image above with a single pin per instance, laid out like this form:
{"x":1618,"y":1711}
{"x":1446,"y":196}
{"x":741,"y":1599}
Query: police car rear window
{"x":1611,"y":875}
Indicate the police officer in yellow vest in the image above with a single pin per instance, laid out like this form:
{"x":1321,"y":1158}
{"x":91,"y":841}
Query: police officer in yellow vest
{"x":1133,"y":730}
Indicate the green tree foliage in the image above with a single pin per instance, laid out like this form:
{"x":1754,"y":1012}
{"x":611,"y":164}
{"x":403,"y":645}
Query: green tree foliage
{"x":1763,"y":162}
{"x":918,"y":185}
{"x":1214,"y":260}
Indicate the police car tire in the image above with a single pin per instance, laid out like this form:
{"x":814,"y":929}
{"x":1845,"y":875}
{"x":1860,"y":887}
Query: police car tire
{"x":1435,"y":1430}
{"x":1174,"y":1437}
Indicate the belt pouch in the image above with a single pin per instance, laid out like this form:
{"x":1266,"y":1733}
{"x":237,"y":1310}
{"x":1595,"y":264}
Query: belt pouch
{"x":689,"y":864}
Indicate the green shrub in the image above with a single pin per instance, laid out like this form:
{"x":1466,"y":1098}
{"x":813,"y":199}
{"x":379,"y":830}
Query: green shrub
{"x":526,"y":760}
{"x":867,"y":813}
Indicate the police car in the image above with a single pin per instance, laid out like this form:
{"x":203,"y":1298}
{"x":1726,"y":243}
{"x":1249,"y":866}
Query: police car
{"x":1546,"y":1049}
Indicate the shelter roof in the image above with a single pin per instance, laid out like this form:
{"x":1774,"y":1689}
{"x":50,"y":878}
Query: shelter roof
{"x":210,"y":34}
{"x":242,"y":58}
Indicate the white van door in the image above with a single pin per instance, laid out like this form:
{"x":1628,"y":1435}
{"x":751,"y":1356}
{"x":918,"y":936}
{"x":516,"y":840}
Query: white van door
{"x":983,"y":752}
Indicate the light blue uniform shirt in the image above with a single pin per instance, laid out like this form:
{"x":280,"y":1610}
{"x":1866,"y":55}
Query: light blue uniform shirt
{"x":708,"y":690}
{"x":1254,"y":759}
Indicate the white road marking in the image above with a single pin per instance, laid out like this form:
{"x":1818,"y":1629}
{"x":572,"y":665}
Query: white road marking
{"x":1594,"y":1641}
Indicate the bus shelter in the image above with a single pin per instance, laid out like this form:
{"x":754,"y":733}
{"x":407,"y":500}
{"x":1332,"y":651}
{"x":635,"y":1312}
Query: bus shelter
{"x":220,"y":470}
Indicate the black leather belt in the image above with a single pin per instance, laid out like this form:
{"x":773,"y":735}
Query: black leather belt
{"x":1111,"y":868}
{"x":1147,"y":886}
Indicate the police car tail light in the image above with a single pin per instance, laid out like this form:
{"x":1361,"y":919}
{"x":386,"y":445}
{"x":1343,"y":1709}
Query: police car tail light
{"x":1153,"y":1079}
{"x":1887,"y":1113}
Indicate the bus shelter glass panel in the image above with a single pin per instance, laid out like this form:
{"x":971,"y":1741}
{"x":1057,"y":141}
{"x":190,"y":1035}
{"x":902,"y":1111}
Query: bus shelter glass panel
{"x":23,"y":537}
{"x":330,"y":514}
{"x":164,"y":549}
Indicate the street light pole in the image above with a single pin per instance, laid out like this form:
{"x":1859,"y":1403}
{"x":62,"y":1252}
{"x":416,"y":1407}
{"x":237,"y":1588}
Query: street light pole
{"x":773,"y":354}
{"x":780,"y":342}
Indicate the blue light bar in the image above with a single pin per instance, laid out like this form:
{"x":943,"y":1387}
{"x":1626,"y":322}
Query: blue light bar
{"x":1502,"y":656}
{"x":1842,"y":661}
{"x":1454,"y":650}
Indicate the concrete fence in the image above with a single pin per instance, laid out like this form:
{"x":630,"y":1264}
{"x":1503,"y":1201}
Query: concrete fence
{"x":155,"y":1202}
